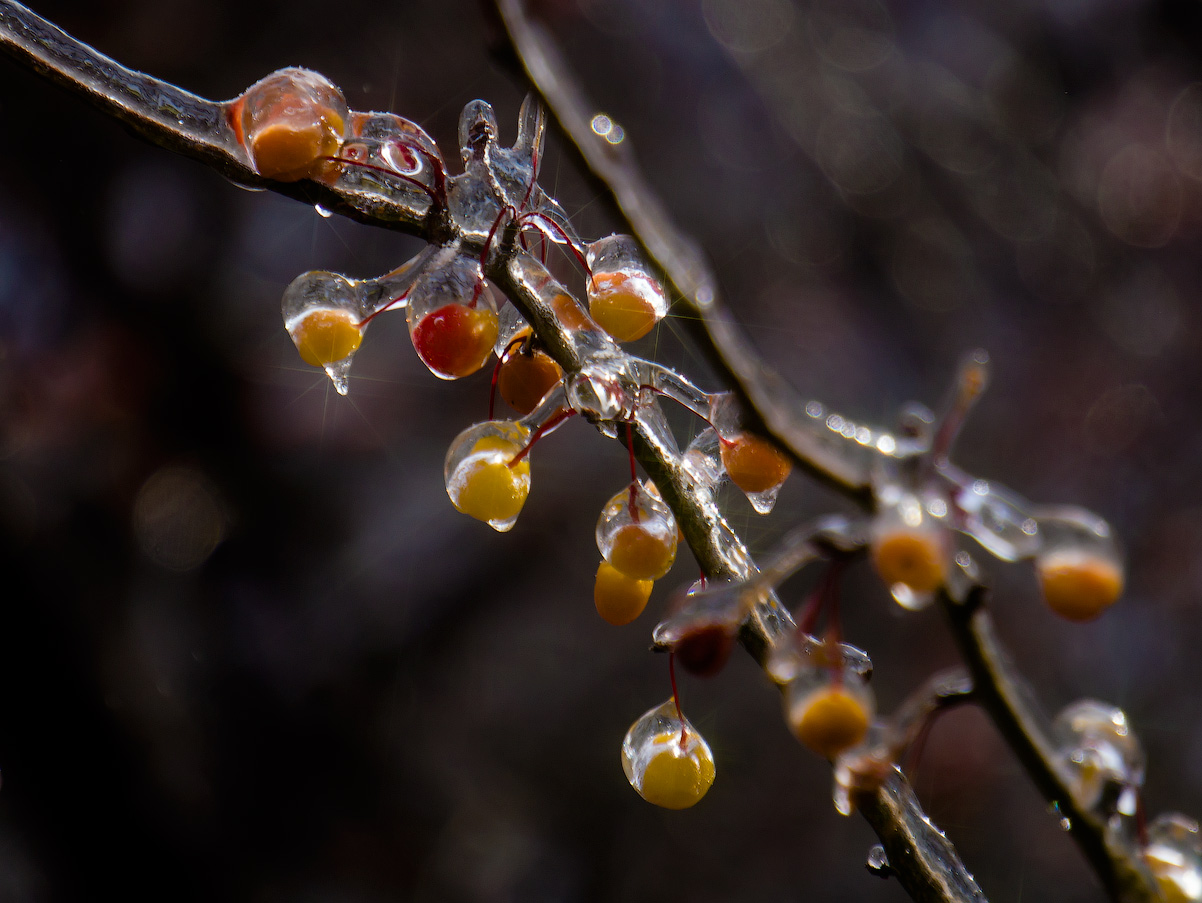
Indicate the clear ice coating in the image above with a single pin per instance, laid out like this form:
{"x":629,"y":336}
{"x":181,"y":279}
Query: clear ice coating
{"x":393,"y":157}
{"x":801,"y":653}
{"x":487,"y":473}
{"x":1101,"y":757}
{"x":666,"y":760}
{"x":500,"y":181}
{"x":702,"y":459}
{"x":452,"y":314}
{"x":291,"y":123}
{"x":604,"y":390}
{"x":636,"y":533}
{"x":1174,"y":855}
{"x":993,"y":515}
{"x":667,"y":382}
{"x":512,"y":328}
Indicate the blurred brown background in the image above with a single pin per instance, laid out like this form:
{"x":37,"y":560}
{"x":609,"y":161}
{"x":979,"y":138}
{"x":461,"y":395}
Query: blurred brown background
{"x":250,"y":652}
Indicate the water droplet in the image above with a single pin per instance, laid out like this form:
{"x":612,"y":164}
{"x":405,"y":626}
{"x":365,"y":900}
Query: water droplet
{"x":338,"y":372}
{"x":878,"y":862}
{"x":322,"y":211}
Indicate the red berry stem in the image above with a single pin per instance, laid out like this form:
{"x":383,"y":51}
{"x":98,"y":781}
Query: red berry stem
{"x":676,"y":697}
{"x":389,"y":306}
{"x":545,"y":428}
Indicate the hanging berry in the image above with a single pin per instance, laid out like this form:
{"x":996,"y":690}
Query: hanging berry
{"x":910,"y":550}
{"x":666,"y":760}
{"x":637,"y":533}
{"x":828,"y":704}
{"x":452,"y":315}
{"x":485,"y":477}
{"x":1079,"y":566}
{"x":323,"y":315}
{"x":619,"y":599}
{"x":623,"y":297}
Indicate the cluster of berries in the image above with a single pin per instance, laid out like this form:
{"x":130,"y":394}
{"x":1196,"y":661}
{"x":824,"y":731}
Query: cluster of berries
{"x":295,"y":125}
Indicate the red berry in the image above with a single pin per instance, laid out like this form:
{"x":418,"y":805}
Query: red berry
{"x":455,"y":340}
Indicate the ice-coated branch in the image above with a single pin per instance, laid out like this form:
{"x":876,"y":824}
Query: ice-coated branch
{"x":790,"y":420}
{"x":833,"y":450}
{"x":177,"y":120}
{"x":827,"y":455}
{"x":1008,"y":698}
{"x":202,"y":129}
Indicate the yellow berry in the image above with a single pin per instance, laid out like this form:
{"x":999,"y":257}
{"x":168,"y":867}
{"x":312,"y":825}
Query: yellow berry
{"x":912,"y":557}
{"x":619,"y":308}
{"x":674,"y":778}
{"x":640,"y":553}
{"x":619,"y":599}
{"x":325,"y":336}
{"x":491,"y":490}
{"x":1079,"y":585}
{"x":754,"y":464}
{"x":829,"y":720}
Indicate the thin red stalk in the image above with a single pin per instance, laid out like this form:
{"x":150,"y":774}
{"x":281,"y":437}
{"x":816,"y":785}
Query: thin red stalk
{"x":546,"y":221}
{"x":401,"y":297}
{"x":440,"y":178}
{"x":540,"y":432}
{"x":676,"y":697}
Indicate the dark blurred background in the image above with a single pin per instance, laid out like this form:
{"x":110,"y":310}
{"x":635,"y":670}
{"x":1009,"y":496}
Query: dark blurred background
{"x":250,"y":652}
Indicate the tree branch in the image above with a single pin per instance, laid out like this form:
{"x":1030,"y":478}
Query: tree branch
{"x":198,"y":128}
{"x":783,"y":413}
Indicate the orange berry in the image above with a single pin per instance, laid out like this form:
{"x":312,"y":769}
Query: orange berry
{"x":326,"y":335}
{"x":525,"y":377}
{"x":754,"y":464}
{"x":622,"y":305}
{"x":290,"y":152}
{"x":829,"y":720}
{"x":641,"y":553}
{"x":570,"y":314}
{"x":1079,"y":585}
{"x":619,"y":599}
{"x":455,"y":340}
{"x":912,"y":557}
{"x":676,"y":778}
{"x":289,"y":122}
